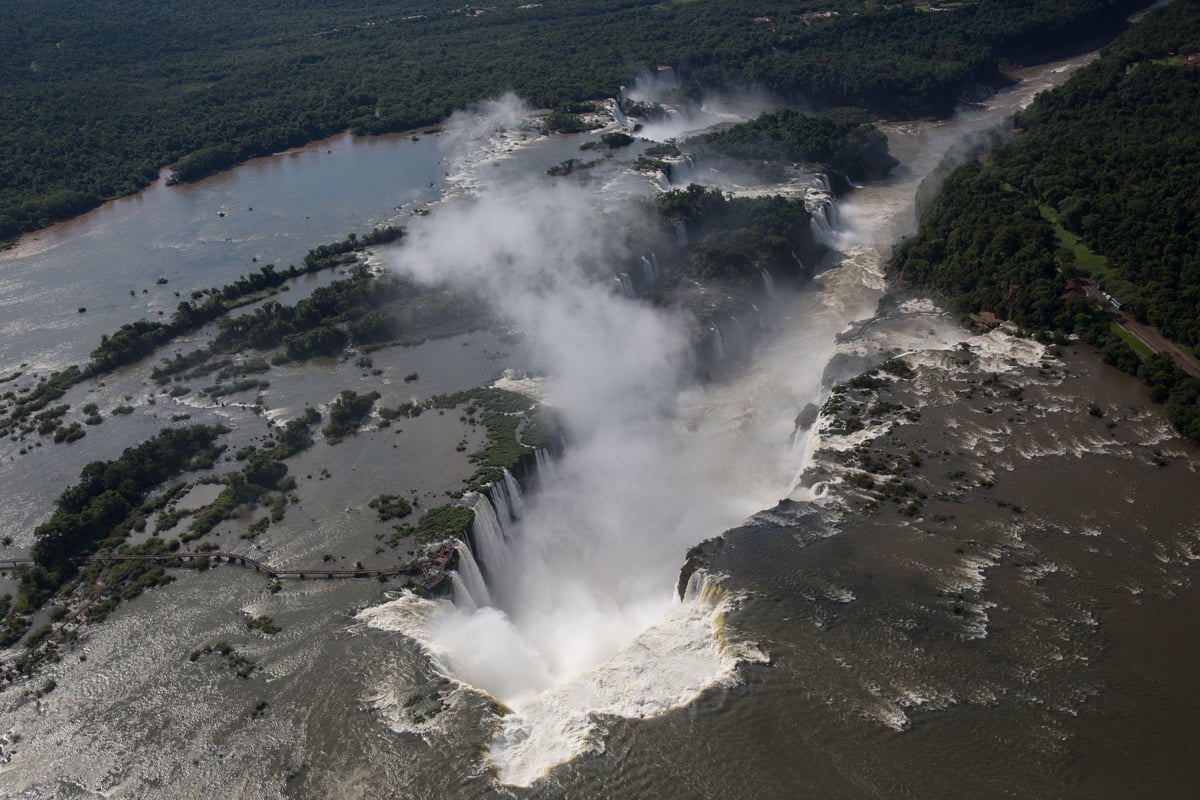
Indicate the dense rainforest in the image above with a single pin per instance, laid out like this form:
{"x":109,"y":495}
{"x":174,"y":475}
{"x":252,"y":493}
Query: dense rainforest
{"x":857,"y":149}
{"x":735,"y":238}
{"x":1101,"y":181}
{"x":95,"y":98}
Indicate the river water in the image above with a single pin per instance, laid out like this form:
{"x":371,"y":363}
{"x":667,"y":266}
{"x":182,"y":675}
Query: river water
{"x":832,"y":652}
{"x":198,"y":236}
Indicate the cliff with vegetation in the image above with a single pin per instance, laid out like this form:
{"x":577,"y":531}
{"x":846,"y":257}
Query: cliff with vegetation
{"x":854,"y":148}
{"x":1101,"y":185}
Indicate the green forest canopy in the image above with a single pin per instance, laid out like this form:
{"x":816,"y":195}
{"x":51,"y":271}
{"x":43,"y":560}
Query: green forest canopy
{"x":1114,"y":156}
{"x":95,"y":98}
{"x":856,"y":149}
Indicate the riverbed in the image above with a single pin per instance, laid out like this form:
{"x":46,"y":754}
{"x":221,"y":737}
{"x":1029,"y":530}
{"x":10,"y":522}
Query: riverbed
{"x":849,"y":672}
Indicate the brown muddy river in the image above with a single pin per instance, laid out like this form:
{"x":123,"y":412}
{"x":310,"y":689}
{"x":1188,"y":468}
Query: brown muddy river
{"x":1024,"y":632}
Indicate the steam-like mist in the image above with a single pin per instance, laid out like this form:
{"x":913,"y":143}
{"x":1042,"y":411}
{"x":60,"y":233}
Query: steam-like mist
{"x":736,"y":104}
{"x":544,"y":255}
{"x":583,"y":620}
{"x":584,"y":616}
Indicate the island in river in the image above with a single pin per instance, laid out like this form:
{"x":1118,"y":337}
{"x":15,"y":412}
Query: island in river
{"x":920,"y":637}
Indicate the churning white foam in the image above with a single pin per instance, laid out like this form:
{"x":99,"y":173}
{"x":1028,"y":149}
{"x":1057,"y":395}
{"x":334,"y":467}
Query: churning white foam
{"x":676,"y":656}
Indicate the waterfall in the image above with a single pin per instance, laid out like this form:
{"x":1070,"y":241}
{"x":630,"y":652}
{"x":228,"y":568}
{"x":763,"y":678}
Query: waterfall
{"x":499,"y":496}
{"x":488,"y":535}
{"x":681,"y":234}
{"x":492,"y":516}
{"x":545,"y":463}
{"x":718,"y":343}
{"x":769,"y":282}
{"x":474,"y":590}
{"x":683,"y":171}
{"x":654,"y":261}
{"x":649,"y":275}
{"x":461,"y":594}
{"x":823,"y":208}
{"x":702,"y":587}
{"x":820,"y":227}
{"x":799,"y":263}
{"x":516,"y":503}
{"x":626,"y":286}
{"x":649,"y":82}
{"x":619,"y":113}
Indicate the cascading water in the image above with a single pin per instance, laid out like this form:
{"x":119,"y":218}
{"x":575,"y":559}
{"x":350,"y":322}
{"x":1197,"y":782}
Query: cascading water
{"x":498,"y":492}
{"x":799,"y":263}
{"x":820,"y":228}
{"x":702,"y":587}
{"x":718,"y":343}
{"x":584,"y":619}
{"x":516,"y":500}
{"x":619,"y":113}
{"x":823,"y":208}
{"x":488,"y":535}
{"x":683,"y":171}
{"x":473,"y":588}
{"x":769,"y":282}
{"x":546,"y":466}
{"x":626,"y":283}
{"x":649,"y":274}
{"x":681,"y":234}
{"x":462,"y":595}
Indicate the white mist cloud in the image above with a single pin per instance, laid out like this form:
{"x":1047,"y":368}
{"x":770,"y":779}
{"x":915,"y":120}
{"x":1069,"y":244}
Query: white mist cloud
{"x":656,"y":463}
{"x":594,"y":562}
{"x":543,"y":257}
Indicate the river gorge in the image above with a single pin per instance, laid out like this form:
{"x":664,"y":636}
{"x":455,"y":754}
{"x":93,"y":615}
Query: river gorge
{"x":983,"y":635}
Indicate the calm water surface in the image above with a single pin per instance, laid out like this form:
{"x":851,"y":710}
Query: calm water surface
{"x":275,"y":209}
{"x":876,"y":686}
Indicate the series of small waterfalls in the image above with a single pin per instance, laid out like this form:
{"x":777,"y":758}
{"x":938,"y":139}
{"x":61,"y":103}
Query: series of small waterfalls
{"x":822,"y":205}
{"x":495,"y":513}
{"x":559,"y":608}
{"x":540,"y":619}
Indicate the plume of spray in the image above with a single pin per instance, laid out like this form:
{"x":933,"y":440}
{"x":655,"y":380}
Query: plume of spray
{"x":583,"y":620}
{"x":595,"y":560}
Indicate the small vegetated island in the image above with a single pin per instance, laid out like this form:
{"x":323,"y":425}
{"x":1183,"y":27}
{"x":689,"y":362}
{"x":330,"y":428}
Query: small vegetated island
{"x":850,"y":147}
{"x":735,"y":240}
{"x":1086,"y":222}
{"x":1080,"y":197}
{"x":94,"y":104}
{"x":118,"y":531}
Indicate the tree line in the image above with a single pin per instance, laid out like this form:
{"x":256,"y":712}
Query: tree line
{"x":1109,"y":162}
{"x":96,"y":99}
{"x":855,"y":148}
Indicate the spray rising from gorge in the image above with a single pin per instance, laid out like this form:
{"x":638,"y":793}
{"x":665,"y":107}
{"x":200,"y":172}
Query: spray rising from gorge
{"x":571,"y":609}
